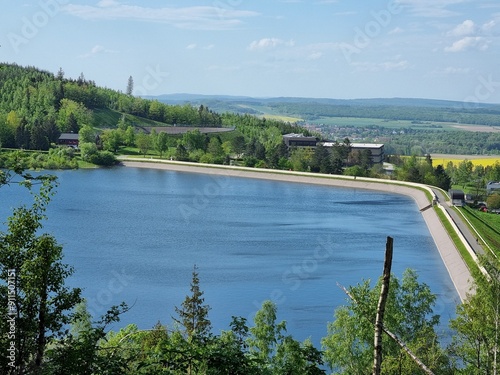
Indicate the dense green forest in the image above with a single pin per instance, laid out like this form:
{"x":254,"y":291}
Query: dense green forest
{"x":36,"y":106}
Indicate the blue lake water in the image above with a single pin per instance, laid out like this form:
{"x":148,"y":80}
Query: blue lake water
{"x":134,"y":235}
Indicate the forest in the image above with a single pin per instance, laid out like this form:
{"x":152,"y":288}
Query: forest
{"x":36,"y":106}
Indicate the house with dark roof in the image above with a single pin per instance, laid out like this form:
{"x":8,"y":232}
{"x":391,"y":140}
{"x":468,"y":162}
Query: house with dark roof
{"x":299,"y":140}
{"x":68,"y":139}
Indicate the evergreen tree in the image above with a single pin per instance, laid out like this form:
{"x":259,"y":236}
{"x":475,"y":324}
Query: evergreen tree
{"x":60,"y":74}
{"x":193,"y":313}
{"x":130,"y":86}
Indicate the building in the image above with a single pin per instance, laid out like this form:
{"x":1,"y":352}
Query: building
{"x":492,"y":186}
{"x":457,"y":197}
{"x":299,"y":140}
{"x":376,"y":149}
{"x":68,"y":139}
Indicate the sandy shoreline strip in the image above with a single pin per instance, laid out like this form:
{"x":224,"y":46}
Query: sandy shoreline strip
{"x":455,"y":265}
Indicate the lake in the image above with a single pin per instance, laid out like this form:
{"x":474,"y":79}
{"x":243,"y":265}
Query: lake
{"x":134,"y":235}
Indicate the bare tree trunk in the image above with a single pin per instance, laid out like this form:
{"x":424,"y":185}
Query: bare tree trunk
{"x":379,"y":319}
{"x":395,"y":338}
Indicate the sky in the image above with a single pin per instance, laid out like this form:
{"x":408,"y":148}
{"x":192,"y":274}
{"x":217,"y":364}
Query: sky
{"x":342,"y":49}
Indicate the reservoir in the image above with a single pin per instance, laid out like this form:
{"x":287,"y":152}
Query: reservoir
{"x":134,"y":235}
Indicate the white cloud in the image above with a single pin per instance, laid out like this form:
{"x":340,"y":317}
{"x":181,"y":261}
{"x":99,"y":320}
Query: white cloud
{"x":195,"y":46}
{"x":488,"y":26}
{"x":97,"y":49}
{"x":395,"y":65}
{"x":315,"y":56}
{"x":194,"y":17}
{"x":107,"y":3}
{"x":383,"y":66}
{"x":346,"y":13}
{"x":430,"y":8}
{"x":464,"y":29}
{"x":269,"y":43}
{"x":468,"y":42}
{"x":396,"y":30}
{"x":451,"y":70}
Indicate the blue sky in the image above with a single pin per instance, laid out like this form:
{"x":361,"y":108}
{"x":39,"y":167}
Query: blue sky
{"x":440,"y":49}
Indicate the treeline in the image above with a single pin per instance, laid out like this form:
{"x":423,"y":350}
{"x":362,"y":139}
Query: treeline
{"x":36,"y":106}
{"x":55,"y":158}
{"x":467,"y":114}
{"x":421,"y":142}
{"x":47,"y":328}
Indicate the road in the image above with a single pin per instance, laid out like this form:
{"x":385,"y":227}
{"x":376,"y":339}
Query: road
{"x":471,"y":238}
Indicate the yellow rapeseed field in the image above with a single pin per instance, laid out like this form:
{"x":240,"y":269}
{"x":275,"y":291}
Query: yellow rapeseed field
{"x":456,"y":159}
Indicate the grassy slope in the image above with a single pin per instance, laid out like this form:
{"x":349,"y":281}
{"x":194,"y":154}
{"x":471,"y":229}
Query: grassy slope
{"x":488,"y":226}
{"x":471,"y":264}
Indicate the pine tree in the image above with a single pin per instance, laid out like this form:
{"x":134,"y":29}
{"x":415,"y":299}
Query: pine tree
{"x":193,"y":314}
{"x":130,"y":86}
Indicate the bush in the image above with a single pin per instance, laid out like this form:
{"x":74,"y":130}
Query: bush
{"x":493,"y":201}
{"x":104,"y":158}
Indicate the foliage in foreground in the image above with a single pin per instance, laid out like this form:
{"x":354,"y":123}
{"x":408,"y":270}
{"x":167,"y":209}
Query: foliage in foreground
{"x":55,"y":158}
{"x":34,"y":300}
{"x":348,"y":347}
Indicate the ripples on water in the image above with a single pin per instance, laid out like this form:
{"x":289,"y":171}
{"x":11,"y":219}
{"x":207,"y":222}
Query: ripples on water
{"x":134,"y":234}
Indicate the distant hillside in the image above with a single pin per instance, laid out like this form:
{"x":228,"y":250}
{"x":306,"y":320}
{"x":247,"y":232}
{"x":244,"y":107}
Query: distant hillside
{"x":316,"y":109}
{"x":180,"y":98}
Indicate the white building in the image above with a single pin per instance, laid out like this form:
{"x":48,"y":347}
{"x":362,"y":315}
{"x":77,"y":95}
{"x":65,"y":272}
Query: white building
{"x":492,"y":186}
{"x":377,"y":149}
